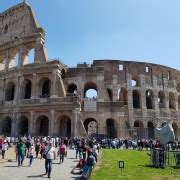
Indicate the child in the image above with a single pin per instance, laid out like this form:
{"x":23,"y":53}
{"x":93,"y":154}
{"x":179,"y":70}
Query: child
{"x":31,"y":154}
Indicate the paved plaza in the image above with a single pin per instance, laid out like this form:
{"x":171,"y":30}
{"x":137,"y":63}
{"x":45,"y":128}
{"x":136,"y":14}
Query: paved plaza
{"x":9,"y":170}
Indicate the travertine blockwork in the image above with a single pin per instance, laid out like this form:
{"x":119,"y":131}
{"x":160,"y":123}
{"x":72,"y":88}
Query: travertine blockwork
{"x":49,"y":98}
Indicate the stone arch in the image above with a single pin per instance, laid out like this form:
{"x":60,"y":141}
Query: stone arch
{"x":150,"y":126}
{"x":135,"y":81}
{"x":64,"y":126}
{"x":111,"y":128}
{"x":29,"y":58}
{"x":110,"y":93}
{"x":172,"y":103}
{"x":45,"y":85}
{"x":6,"y":127}
{"x":26,"y":89}
{"x":139,"y":128}
{"x":136,"y":99}
{"x":149,"y":99}
{"x":175,"y":127}
{"x":71,"y":88}
{"x":42,"y":125}
{"x":90,"y":86}
{"x":91,"y":126}
{"x":10,"y":91}
{"x":23,"y":125}
{"x":123,"y":96}
{"x":179,"y":102}
{"x":161,"y":99}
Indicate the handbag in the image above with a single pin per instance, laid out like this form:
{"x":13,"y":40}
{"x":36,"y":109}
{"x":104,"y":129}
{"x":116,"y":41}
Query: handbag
{"x":45,"y":154}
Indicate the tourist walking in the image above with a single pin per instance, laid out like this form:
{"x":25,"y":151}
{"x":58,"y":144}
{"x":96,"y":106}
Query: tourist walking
{"x":21,"y":149}
{"x":62,"y":151}
{"x":31,"y":154}
{"x":49,"y":155}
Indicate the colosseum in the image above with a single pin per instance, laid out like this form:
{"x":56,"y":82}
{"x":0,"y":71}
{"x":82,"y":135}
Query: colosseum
{"x":46,"y":97}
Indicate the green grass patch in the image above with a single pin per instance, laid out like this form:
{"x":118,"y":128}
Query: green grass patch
{"x":137,"y":167}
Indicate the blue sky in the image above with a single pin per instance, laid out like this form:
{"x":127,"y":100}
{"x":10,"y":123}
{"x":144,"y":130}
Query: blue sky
{"x":84,"y":30}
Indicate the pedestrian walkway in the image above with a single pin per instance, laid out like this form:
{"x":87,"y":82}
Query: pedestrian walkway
{"x":9,"y":155}
{"x":10,"y":171}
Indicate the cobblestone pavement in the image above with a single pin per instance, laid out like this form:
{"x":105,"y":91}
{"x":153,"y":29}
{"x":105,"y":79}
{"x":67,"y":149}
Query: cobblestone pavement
{"x":10,"y":171}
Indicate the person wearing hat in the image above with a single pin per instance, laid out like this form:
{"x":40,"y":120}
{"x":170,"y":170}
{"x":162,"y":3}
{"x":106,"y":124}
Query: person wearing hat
{"x":50,"y":155}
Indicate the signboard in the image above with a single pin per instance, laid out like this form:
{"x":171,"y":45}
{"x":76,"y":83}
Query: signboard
{"x":121,"y":164}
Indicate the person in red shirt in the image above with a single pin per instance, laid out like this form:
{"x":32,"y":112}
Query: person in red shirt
{"x":62,"y":151}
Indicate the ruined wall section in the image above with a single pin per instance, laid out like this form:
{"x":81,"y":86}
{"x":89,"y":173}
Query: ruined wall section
{"x":20,"y":33}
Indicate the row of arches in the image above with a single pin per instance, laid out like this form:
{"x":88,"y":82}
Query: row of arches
{"x":150,"y":99}
{"x":26,"y":89}
{"x":136,"y":96}
{"x":91,"y":126}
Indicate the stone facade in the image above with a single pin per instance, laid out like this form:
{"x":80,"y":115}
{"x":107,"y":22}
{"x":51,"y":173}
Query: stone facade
{"x":48,"y":98}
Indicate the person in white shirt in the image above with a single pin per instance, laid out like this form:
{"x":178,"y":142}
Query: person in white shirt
{"x":31,"y":154}
{"x":4,"y":149}
{"x":50,"y":155}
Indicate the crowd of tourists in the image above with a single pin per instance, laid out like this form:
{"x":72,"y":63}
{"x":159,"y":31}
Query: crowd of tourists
{"x":86,"y":149}
{"x":48,"y":148}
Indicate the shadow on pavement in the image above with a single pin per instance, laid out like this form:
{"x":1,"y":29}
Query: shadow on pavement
{"x":36,"y":176}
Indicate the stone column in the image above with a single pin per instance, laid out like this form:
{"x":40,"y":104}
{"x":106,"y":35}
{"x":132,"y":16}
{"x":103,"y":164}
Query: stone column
{"x":17,"y":89}
{"x":34,"y":88}
{"x":31,"y":127}
{"x":14,"y":129}
{"x":53,"y":87}
{"x":74,"y":127}
{"x":51,"y":123}
{"x":23,"y":57}
{"x":40,"y":52}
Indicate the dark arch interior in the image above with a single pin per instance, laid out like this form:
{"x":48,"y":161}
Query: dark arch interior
{"x":149,"y":99}
{"x":136,"y":99}
{"x":91,"y":126}
{"x":28,"y":90}
{"x":111,"y":130}
{"x":6,"y":129}
{"x":23,"y":126}
{"x":110,"y":94}
{"x":123,"y":96}
{"x":71,"y":88}
{"x":46,"y":88}
{"x":65,"y":126}
{"x":10,"y":92}
{"x":150,"y":126}
{"x":42,"y":125}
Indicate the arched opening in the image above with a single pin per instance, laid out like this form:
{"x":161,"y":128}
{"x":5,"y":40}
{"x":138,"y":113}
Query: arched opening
{"x":133,"y":83}
{"x":6,"y":128}
{"x":172,"y":104}
{"x":42,"y":126}
{"x":136,"y":99}
{"x":14,"y":61}
{"x":64,"y":126}
{"x":90,"y":90}
{"x":71,"y":88}
{"x":175,"y":128}
{"x":123,"y":96}
{"x":29,"y":58}
{"x":9,"y":93}
{"x":63,"y":74}
{"x":110,"y":93}
{"x":46,"y":88}
{"x":161,"y":99}
{"x":150,"y":130}
{"x":139,"y":128}
{"x":23,"y":126}
{"x":2,"y":65}
{"x":91,"y":127}
{"x":26,"y":89}
{"x":149,"y":99}
{"x":111,"y":129}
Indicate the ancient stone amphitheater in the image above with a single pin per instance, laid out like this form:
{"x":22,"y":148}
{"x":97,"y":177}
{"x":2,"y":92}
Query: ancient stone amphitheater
{"x":46,"y":97}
